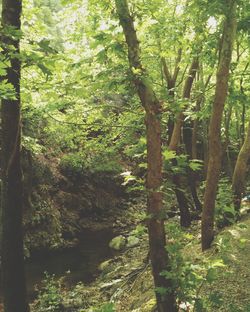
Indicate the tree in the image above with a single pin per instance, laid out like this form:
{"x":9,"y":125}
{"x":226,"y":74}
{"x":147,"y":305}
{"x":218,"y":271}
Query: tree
{"x":13,"y":275}
{"x":214,"y":161}
{"x":240,"y":170}
{"x":173,"y":146}
{"x":157,"y":241}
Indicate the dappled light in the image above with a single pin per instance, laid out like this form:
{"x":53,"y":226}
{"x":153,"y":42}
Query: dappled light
{"x":125,"y":155}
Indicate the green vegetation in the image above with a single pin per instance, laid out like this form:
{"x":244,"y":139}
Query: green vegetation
{"x":127,"y":119}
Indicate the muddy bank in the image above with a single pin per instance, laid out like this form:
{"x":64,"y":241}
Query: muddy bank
{"x":60,"y":203}
{"x":77,"y":264}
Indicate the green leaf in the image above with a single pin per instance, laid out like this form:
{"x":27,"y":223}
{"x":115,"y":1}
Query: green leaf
{"x":168,"y":155}
{"x":196,"y":164}
{"x":216,"y":299}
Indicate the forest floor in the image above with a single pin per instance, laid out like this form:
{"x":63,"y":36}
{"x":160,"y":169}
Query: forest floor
{"x":235,"y":284}
{"x":126,"y":280}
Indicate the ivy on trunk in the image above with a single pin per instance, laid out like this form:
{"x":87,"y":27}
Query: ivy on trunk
{"x":13,"y":276}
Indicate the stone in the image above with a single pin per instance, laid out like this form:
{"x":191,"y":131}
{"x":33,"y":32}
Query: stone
{"x":118,"y":242}
{"x":132,"y":241}
{"x":110,"y":284}
{"x":104,"y":265}
{"x":149,"y":306}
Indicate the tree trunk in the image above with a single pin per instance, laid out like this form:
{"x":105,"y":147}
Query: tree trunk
{"x":225,"y":146}
{"x":174,"y":143}
{"x":13,"y":275}
{"x":191,"y":175}
{"x":157,"y":240}
{"x":187,"y":134}
{"x":238,"y":184}
{"x":176,"y":135}
{"x":185,"y":217}
{"x":214,"y":162}
{"x":205,"y":145}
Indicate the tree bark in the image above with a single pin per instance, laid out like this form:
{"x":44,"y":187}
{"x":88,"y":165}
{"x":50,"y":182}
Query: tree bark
{"x":191,"y":175}
{"x":13,"y":275}
{"x":187,"y":133}
{"x":157,"y":240}
{"x":226,"y":161}
{"x":243,"y":115}
{"x":176,"y":135}
{"x":185,"y":217}
{"x":240,"y":170}
{"x":214,"y":162}
{"x":174,"y":143}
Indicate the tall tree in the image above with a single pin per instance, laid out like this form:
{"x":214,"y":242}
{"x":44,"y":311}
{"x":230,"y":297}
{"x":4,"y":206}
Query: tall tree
{"x":176,"y":138}
{"x":240,"y":170}
{"x":157,"y":240}
{"x":13,"y":276}
{"x":214,"y":161}
{"x":171,"y":79}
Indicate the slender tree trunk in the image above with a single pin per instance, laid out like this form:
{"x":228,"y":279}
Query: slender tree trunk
{"x":204,"y":123}
{"x":243,"y":115}
{"x":187,"y":134}
{"x":13,"y":276}
{"x":185,"y":217}
{"x":194,"y":139}
{"x":205,"y":144}
{"x":191,"y":175}
{"x":240,"y":170}
{"x":171,"y":82}
{"x":225,"y":150}
{"x":157,"y":241}
{"x":174,"y":143}
{"x":238,"y":127}
{"x":199,"y":103}
{"x":176,"y":135}
{"x":221,"y":90}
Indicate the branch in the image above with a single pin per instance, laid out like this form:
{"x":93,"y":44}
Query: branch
{"x":177,"y":67}
{"x":89,"y":124}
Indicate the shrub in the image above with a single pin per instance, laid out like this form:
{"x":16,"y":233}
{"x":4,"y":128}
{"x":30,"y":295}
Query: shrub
{"x":189,"y":278}
{"x":50,"y":295}
{"x":225,"y":213}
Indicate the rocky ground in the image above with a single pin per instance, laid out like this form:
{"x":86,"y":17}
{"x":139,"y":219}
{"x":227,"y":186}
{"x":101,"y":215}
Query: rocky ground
{"x":61,"y":202}
{"x":126,"y":280}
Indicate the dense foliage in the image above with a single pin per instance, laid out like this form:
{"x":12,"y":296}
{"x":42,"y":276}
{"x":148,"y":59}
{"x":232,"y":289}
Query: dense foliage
{"x":85,"y":146}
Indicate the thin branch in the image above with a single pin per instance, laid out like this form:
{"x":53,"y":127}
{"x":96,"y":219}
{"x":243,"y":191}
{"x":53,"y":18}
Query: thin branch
{"x":177,"y":63}
{"x":89,"y":124}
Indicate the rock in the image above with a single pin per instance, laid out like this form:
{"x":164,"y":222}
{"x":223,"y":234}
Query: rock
{"x":149,"y":306}
{"x":132,"y":241}
{"x":118,"y":242}
{"x":110,"y":284}
{"x":245,"y":209}
{"x":73,"y":243}
{"x":104,"y":265}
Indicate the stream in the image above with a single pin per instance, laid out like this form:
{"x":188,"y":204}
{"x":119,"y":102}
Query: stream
{"x":80,"y":262}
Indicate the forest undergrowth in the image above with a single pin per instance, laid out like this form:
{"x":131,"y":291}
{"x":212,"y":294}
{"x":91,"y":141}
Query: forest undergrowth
{"x":217,"y":280}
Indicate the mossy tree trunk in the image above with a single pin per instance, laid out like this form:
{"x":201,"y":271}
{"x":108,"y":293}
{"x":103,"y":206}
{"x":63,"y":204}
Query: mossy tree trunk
{"x":240,"y":170}
{"x":157,"y":241}
{"x":214,"y":161}
{"x":13,"y":276}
